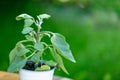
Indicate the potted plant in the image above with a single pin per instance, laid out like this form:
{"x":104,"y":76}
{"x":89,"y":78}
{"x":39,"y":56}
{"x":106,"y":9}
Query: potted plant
{"x":27,"y":56}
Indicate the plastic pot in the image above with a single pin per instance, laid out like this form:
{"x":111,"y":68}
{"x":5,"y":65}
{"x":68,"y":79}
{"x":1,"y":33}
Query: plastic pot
{"x":36,"y":75}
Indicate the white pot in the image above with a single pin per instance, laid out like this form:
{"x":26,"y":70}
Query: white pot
{"x":36,"y":75}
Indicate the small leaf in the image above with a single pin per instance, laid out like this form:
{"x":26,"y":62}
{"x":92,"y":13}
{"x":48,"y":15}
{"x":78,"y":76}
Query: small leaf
{"x":39,"y":46}
{"x":28,"y":22}
{"x":44,"y":16}
{"x":27,"y":30}
{"x":58,"y":59}
{"x":17,"y":64}
{"x":23,"y":16}
{"x":62,"y":46}
{"x":28,"y":37}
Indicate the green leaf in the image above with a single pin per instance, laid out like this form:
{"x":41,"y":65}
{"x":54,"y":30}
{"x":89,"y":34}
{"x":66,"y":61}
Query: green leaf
{"x":12,"y":55}
{"x":23,"y":51}
{"x":36,"y":57}
{"x":58,"y":59}
{"x":23,"y":16}
{"x":28,"y":22}
{"x":17,"y":64}
{"x":44,"y":16}
{"x":43,"y":68}
{"x":28,"y":37}
{"x":27,"y":30}
{"x":39,"y":46}
{"x":17,"y":50}
{"x":50,"y":63}
{"x":62,"y":46}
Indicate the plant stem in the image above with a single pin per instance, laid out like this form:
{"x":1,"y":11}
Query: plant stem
{"x":46,"y":32}
{"x":23,"y":41}
{"x":38,"y":35}
{"x":46,"y":44}
{"x":31,"y":54}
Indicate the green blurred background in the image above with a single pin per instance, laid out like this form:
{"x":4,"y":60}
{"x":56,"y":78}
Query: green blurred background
{"x":91,"y":27}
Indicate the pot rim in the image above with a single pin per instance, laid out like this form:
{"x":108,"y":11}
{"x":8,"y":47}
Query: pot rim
{"x":39,"y":71}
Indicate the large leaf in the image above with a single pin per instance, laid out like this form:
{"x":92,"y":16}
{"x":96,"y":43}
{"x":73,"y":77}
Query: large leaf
{"x":23,"y":16}
{"x":58,"y":59}
{"x":39,"y":46}
{"x":22,"y":51}
{"x":17,"y":51}
{"x":62,"y":46}
{"x":18,"y":63}
{"x":27,"y":30}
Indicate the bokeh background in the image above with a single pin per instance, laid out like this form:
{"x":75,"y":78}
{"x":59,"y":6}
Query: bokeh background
{"x":91,"y":27}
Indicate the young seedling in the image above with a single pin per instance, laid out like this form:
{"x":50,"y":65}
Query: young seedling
{"x":28,"y":54}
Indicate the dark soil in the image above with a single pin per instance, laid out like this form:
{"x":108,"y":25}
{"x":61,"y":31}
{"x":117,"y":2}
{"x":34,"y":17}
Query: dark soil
{"x":31,"y":65}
